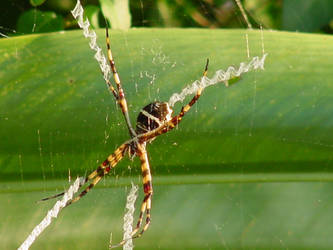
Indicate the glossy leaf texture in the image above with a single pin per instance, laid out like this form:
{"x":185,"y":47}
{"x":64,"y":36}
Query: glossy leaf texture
{"x":210,"y":173}
{"x":56,"y":113}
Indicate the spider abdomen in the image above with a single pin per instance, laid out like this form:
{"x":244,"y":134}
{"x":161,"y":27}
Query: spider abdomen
{"x":153,"y":116}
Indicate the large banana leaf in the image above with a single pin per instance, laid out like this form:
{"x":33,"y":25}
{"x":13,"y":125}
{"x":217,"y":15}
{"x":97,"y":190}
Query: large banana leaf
{"x":274,"y":125}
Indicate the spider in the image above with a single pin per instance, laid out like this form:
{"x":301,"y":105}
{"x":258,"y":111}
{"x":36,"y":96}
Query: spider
{"x":153,"y":120}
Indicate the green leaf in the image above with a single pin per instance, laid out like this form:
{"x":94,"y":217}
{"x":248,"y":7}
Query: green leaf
{"x":282,"y":111}
{"x":308,"y":16}
{"x":92,"y":13}
{"x":117,"y":12}
{"x":265,"y":12}
{"x":36,"y":3}
{"x":36,"y":21}
{"x":219,"y":178}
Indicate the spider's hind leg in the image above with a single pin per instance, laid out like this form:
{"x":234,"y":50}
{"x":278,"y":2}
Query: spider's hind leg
{"x":52,"y":197}
{"x":88,"y":178}
{"x":148,"y":191}
{"x":87,"y":189}
{"x":102,"y":170}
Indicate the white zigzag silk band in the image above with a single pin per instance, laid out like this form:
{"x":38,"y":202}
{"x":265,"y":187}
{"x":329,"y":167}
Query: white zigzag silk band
{"x":219,"y":76}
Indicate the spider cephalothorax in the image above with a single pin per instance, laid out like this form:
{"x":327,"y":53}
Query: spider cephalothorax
{"x":153,"y":116}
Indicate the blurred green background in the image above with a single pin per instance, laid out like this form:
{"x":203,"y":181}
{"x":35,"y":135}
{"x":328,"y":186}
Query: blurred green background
{"x":34,"y":16}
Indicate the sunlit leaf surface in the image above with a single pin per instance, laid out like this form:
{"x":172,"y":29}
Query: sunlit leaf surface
{"x":226,"y":178}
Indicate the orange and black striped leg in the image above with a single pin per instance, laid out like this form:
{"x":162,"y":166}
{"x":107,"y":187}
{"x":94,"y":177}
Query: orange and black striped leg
{"x":96,"y":175}
{"x":87,"y":189}
{"x":148,"y":191}
{"x":111,"y":88}
{"x":110,"y":162}
{"x":102,"y":170}
{"x":176,"y":119}
{"x":121,"y":95}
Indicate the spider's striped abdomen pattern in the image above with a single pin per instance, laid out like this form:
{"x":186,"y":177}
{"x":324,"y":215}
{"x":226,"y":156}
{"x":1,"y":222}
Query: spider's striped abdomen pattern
{"x":152,"y":116}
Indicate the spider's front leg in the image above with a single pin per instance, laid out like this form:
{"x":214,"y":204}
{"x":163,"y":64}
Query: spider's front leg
{"x":120,"y":96}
